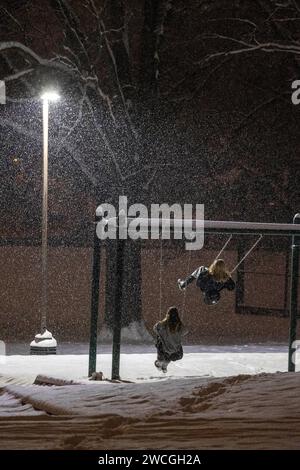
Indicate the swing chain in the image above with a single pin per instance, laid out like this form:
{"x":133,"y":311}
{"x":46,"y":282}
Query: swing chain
{"x":247,"y":254}
{"x":225,"y":245}
{"x":184,"y":292}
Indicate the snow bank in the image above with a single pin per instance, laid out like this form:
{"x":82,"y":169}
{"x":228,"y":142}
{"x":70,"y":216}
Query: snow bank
{"x":216,"y":397}
{"x":12,"y":406}
{"x":241,"y":412}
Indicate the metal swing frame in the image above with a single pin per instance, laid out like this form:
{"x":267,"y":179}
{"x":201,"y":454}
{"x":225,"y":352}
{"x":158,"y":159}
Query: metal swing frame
{"x":210,"y":226}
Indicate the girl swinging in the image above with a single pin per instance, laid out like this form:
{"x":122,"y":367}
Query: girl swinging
{"x":211,"y":281}
{"x":169,"y":333}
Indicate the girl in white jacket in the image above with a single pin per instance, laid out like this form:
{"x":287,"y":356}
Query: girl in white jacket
{"x":169,"y":333}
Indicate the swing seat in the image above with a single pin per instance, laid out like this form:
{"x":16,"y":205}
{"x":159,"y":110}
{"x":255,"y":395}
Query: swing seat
{"x":211,"y":298}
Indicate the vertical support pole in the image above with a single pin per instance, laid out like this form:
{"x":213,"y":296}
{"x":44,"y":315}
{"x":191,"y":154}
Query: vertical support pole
{"x":294,"y":297}
{"x":240,"y":278}
{"x":286,"y":283}
{"x":94,"y":301}
{"x":115,"y":369}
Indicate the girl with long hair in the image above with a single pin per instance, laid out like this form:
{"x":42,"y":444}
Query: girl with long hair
{"x":210,"y":280}
{"x":169,"y":333}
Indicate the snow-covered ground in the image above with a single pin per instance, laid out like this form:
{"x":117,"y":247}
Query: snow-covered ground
{"x":216,"y":397}
{"x":137,"y":362}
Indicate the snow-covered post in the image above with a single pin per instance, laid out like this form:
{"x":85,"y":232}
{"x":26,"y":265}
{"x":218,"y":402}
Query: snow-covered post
{"x":43,"y":344}
{"x":95,"y":300}
{"x":294,"y":297}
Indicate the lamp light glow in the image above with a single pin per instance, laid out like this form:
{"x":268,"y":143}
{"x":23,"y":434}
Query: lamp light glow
{"x":50,"y":96}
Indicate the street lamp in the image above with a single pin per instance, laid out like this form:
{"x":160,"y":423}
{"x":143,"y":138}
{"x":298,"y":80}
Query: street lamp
{"x":44,"y":343}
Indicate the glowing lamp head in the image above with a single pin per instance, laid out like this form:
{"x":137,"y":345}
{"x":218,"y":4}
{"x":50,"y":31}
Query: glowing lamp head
{"x":50,"y":96}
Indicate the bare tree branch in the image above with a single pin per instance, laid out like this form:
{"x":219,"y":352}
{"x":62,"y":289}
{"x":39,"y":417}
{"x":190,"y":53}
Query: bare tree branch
{"x":56,"y":143}
{"x":17,"y":75}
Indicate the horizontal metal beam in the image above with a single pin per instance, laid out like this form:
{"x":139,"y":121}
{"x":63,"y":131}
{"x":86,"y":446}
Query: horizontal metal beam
{"x":209,"y":226}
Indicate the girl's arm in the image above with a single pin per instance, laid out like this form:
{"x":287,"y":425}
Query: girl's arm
{"x":156,"y":328}
{"x":229,"y":284}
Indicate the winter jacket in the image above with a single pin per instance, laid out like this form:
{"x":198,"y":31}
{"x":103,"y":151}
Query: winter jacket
{"x":171,"y":341}
{"x":210,"y":286}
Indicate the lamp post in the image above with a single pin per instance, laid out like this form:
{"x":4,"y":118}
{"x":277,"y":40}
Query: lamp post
{"x":44,"y":343}
{"x":46,"y":97}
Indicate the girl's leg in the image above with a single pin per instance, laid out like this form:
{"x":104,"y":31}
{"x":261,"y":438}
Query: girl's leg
{"x":160,"y":351}
{"x":163,"y":359}
{"x":196,"y":273}
{"x":183,"y":283}
{"x":177,"y":355}
{"x":164,"y":366}
{"x":160,"y":355}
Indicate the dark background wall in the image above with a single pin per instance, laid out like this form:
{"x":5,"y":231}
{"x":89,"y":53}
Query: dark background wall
{"x":70,"y":288}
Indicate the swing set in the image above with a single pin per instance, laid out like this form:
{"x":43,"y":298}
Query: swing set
{"x":210,"y":226}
